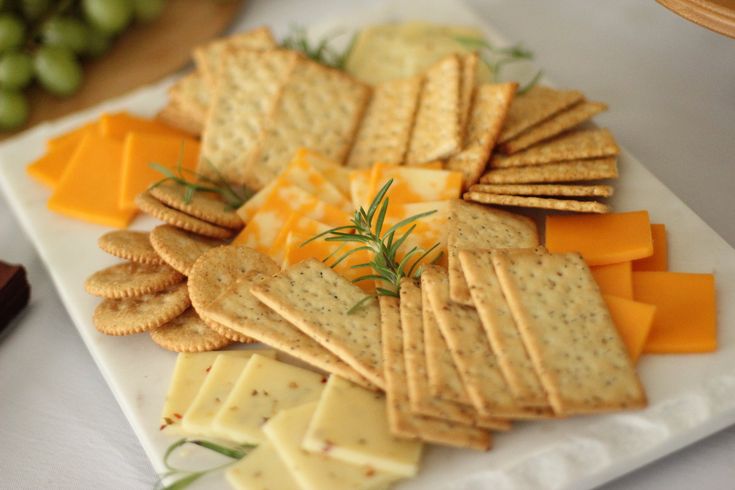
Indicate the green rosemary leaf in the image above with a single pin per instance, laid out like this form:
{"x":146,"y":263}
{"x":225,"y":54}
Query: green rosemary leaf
{"x":404,"y":261}
{"x":161,"y":169}
{"x":359,"y":304}
{"x":422,"y":257}
{"x":188,"y":194}
{"x":173,"y":447}
{"x":234,"y":453}
{"x":325,"y":233}
{"x":184,"y":482}
{"x":531,"y":83}
{"x":348,"y":238}
{"x":367,"y":277}
{"x":361,"y":266}
{"x":378,"y":199}
{"x":393,"y":249}
{"x":387,"y":292}
{"x":381,"y":217}
{"x":409,"y":220}
{"x":345,"y":255}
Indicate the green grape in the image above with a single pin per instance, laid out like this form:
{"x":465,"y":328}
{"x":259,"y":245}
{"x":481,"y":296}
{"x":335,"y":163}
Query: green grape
{"x":110,"y":16}
{"x":67,"y":32}
{"x":148,"y":10}
{"x":13,"y":109}
{"x":16,"y":70}
{"x":12,"y":32}
{"x":97,"y":42}
{"x":57,"y":69}
{"x":34,"y":9}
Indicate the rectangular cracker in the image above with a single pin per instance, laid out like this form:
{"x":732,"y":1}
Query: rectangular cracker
{"x":317,"y":300}
{"x":489,"y":108}
{"x":545,"y":190}
{"x":535,"y":106}
{"x":568,"y":332}
{"x":477,"y":364}
{"x":386,"y":127}
{"x":469,"y":63}
{"x":249,"y":85}
{"x":192,"y":97}
{"x":237,"y":309}
{"x":436,"y":132}
{"x":574,"y":171}
{"x":574,"y":145}
{"x":404,"y":423}
{"x":501,"y":329}
{"x":319,"y":108}
{"x":174,"y":115}
{"x":537,"y":202}
{"x":557,"y":124}
{"x":475,"y":226}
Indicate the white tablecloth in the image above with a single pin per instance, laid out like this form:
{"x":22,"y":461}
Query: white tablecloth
{"x":671,"y":89}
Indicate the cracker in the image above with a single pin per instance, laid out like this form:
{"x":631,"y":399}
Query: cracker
{"x":129,"y":316}
{"x":467,"y":82}
{"x":477,"y":364}
{"x":535,"y":106}
{"x":248,"y":87}
{"x":188,"y":333}
{"x":475,"y":226}
{"x":150,"y":205}
{"x":436,"y":133}
{"x":557,"y":124}
{"x":568,"y":332}
{"x":501,"y":329}
{"x":129,"y":279}
{"x":175,"y":115}
{"x":317,"y":300}
{"x":578,"y":170}
{"x":537,"y":202}
{"x":574,"y":145}
{"x":545,"y":190}
{"x":320,"y":108}
{"x":134,"y":246}
{"x":179,"y":248}
{"x":206,"y":206}
{"x":489,"y":108}
{"x":401,"y":421}
{"x":386,"y":127}
{"x":190,"y":95}
{"x":237,"y":309}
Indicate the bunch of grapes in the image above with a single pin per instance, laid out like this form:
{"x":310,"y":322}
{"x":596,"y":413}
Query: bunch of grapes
{"x":46,"y":40}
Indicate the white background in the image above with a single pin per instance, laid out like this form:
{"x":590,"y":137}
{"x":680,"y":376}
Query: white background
{"x":671,"y":89}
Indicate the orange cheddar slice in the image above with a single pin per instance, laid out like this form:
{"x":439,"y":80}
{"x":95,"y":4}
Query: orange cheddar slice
{"x":633,"y":321}
{"x":297,"y":224}
{"x":50,"y":167}
{"x":615,"y":279}
{"x":416,"y":184}
{"x":659,"y":261}
{"x":90,"y":186}
{"x":75,"y":135}
{"x":686,"y":315}
{"x":119,"y":124}
{"x":601,"y":239}
{"x":333,"y":171}
{"x":140,"y":150}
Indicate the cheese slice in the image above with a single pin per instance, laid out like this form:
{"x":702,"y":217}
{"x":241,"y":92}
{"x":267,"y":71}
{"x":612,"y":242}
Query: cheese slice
{"x":416,"y":184}
{"x":256,"y":201}
{"x":189,"y":374}
{"x":119,"y":124}
{"x":429,"y":230}
{"x":265,"y":387}
{"x":659,"y":261}
{"x":615,"y":279}
{"x":49,"y":168}
{"x":303,"y":174}
{"x":360,"y":190}
{"x":296,"y":224}
{"x":317,"y":471}
{"x":351,"y":424}
{"x":333,"y":171}
{"x":261,"y":469}
{"x":633,"y":321}
{"x":75,"y":135}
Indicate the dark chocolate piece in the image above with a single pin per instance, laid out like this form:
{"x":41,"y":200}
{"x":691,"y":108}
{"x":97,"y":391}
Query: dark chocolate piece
{"x":14,"y":292}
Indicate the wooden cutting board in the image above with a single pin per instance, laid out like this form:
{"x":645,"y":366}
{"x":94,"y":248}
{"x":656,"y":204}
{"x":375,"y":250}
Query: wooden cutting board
{"x":143,"y":54}
{"x":716,"y":15}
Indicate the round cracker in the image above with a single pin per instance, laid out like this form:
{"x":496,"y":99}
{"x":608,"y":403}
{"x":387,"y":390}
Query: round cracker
{"x":130,"y":245}
{"x":149,"y":204}
{"x":130,"y":279}
{"x":206,"y":206}
{"x":180,"y":248}
{"x":227,"y":332}
{"x":129,"y":316}
{"x":188,"y":333}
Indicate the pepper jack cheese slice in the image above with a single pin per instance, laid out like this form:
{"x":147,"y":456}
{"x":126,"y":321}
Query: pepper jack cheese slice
{"x":659,"y":261}
{"x":351,"y":424}
{"x":615,"y":279}
{"x":633,"y":321}
{"x":119,"y":124}
{"x":264,"y":388}
{"x":261,"y":469}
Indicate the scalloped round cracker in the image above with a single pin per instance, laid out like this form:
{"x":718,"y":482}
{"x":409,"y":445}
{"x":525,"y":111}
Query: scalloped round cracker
{"x":150,"y":205}
{"x":227,"y":332}
{"x":180,"y":248}
{"x":129,"y":316}
{"x":129,"y":279}
{"x":203,"y":205}
{"x":188,"y":333}
{"x":130,"y":245}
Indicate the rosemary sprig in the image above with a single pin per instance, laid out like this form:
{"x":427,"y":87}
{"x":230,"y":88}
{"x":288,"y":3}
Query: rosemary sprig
{"x":322,"y":52}
{"x":366,"y":229}
{"x":235,"y":453}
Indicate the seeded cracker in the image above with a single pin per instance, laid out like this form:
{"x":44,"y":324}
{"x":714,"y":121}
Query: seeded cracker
{"x":150,"y":205}
{"x":130,"y":279}
{"x":134,"y":246}
{"x":537,"y":202}
{"x":436,"y":133}
{"x":174,"y":115}
{"x":584,"y":143}
{"x":469,"y":63}
{"x":189,"y":99}
{"x":179,"y":248}
{"x":578,"y":170}
{"x":474,"y":226}
{"x":188,"y":333}
{"x":568,"y":332}
{"x":386,"y":127}
{"x":129,"y":316}
{"x":545,"y":190}
{"x":203,"y":205}
{"x":402,"y":422}
{"x":317,"y":300}
{"x":237,"y":309}
{"x":489,"y":108}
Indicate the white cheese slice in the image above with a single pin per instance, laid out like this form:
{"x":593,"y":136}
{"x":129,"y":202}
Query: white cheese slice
{"x":262,"y":469}
{"x":351,"y":424}
{"x":264,"y":387}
